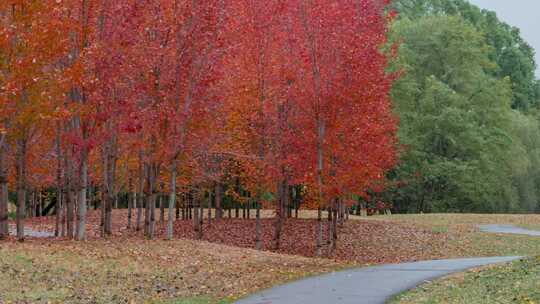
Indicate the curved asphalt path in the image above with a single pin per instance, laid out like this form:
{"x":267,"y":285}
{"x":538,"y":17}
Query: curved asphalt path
{"x":374,"y":285}
{"x":32,"y":233}
{"x":508,"y":229}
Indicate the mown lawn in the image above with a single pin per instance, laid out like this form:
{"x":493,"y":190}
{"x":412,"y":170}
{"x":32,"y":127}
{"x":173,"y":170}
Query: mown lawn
{"x":465,"y":240}
{"x":517,"y":282}
{"x":128,"y":269}
{"x":139,"y":271}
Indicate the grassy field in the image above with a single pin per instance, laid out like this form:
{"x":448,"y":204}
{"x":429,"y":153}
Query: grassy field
{"x":138,"y":271}
{"x":128,"y":269}
{"x":517,"y":282}
{"x":464,"y":238}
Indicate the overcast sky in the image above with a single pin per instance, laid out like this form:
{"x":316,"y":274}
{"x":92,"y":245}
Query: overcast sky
{"x":523,"y":14}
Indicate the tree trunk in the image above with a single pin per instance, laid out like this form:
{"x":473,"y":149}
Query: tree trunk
{"x":219,"y":197}
{"x":196,"y":220}
{"x":161,"y":208}
{"x":102,"y":204}
{"x":281,"y":202}
{"x":58,"y":213}
{"x":172,"y":198}
{"x":258,"y":227}
{"x":4,"y":216}
{"x":132,"y":196}
{"x":335,"y":228}
{"x":70,"y":212}
{"x":319,"y":239}
{"x":151,"y":210}
{"x":108,"y":213}
{"x":330,"y":233}
{"x":21,"y":187}
{"x":140,"y":192}
{"x":177,"y":206}
{"x":210,"y":199}
{"x":81,"y":211}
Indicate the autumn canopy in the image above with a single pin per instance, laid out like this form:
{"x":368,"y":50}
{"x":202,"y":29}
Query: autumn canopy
{"x":209,"y":103}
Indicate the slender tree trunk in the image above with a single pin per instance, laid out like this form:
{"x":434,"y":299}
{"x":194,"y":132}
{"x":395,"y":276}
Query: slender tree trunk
{"x":63,"y":224}
{"x":103,"y":198}
{"x":177,"y":206}
{"x":201,"y":215}
{"x":330,"y":233}
{"x":132,"y":196}
{"x":210,"y":199}
{"x":281,"y":202}
{"x":140,"y":192}
{"x":81,"y":211}
{"x":196,"y":219}
{"x":335,"y":228}
{"x":318,"y":237}
{"x":70,"y":212}
{"x":21,"y":187}
{"x":219,"y":197}
{"x":40,"y":204}
{"x":172,"y":198}
{"x":4,"y":213}
{"x":258,"y":227}
{"x":152,"y":227}
{"x":108,"y":213}
{"x":161,"y":208}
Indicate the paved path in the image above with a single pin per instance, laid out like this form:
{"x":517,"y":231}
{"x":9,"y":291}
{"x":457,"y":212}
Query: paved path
{"x":508,"y":229}
{"x":371,"y":285}
{"x":374,"y":285}
{"x":32,"y":233}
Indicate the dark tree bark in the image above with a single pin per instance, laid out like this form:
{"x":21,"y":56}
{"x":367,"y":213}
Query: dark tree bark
{"x":172,"y":198}
{"x":21,"y":187}
{"x":219,"y":197}
{"x":258,"y":227}
{"x":318,"y":237}
{"x":4,"y":229}
{"x":131,"y":200}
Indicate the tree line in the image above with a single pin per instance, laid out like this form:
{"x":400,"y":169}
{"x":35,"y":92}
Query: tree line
{"x":162,"y":100}
{"x":468,"y":103}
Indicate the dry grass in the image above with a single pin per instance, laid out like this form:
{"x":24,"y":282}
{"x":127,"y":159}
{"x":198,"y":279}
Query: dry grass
{"x":139,"y":271}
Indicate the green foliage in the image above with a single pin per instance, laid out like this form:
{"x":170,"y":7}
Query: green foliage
{"x":514,"y":58}
{"x":464,"y":148}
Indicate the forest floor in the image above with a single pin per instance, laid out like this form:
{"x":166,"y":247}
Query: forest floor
{"x":125,"y":268}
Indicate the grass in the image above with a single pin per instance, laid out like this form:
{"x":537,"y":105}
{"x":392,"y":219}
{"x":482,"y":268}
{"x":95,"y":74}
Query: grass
{"x":464,"y":238}
{"x":128,"y":269}
{"x":516,"y":282}
{"x":138,"y":271}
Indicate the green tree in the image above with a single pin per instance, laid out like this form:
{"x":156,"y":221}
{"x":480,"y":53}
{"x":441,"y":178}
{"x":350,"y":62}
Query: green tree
{"x":514,"y":57}
{"x":456,"y":124}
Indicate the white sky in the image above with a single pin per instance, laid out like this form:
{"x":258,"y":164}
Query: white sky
{"x":523,"y":14}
